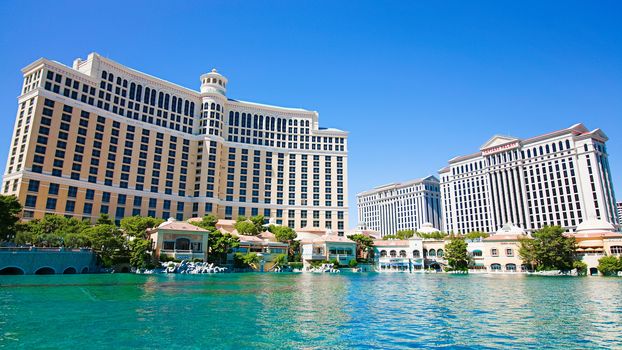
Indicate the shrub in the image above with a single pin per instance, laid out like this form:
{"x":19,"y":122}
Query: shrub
{"x":353,"y":263}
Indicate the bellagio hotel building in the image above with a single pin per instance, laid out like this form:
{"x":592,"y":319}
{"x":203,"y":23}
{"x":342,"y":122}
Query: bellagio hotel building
{"x":100,"y":137}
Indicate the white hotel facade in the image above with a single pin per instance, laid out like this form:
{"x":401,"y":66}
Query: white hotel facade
{"x":560,"y":178}
{"x":401,"y":206}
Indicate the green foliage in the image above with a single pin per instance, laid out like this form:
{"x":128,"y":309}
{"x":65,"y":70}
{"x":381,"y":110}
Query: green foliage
{"x":610,"y":265}
{"x":334,"y":262}
{"x":9,"y":217}
{"x":580,"y":266}
{"x":296,"y":265}
{"x":456,"y":255}
{"x":54,"y":231}
{"x":220,"y":244}
{"x":402,"y":234}
{"x":283,"y":233}
{"x":208,"y":222}
{"x":476,"y":235}
{"x":104,"y":219}
{"x":549,"y":249}
{"x":107,"y":241}
{"x":364,"y":244}
{"x":432,"y":235}
{"x":280,"y":260}
{"x":241,"y":260}
{"x":136,"y":226}
{"x":139,"y":253}
{"x":353,"y":263}
{"x":246,"y":227}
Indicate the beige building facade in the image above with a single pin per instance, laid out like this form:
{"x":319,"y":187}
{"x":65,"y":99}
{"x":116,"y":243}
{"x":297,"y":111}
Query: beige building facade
{"x":99,"y":137}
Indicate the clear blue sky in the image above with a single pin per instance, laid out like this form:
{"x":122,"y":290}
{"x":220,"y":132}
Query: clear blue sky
{"x":415,"y":83}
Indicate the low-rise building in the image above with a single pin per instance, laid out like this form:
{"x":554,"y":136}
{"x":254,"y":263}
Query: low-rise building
{"x":326,"y":247}
{"x":179,"y":240}
{"x":596,"y":239}
{"x":499,"y":252}
{"x":398,"y":254}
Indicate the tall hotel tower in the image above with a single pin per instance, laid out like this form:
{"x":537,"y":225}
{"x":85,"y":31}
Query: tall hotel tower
{"x":100,"y":137}
{"x":560,"y":178}
{"x":401,"y":206}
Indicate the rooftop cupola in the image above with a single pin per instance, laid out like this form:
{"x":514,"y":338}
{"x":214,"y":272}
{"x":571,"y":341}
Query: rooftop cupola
{"x":213,"y":82}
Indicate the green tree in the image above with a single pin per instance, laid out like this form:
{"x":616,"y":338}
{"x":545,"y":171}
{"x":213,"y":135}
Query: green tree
{"x":549,"y":249}
{"x":136,"y":226}
{"x":52,"y":231}
{"x":335,"y":262}
{"x":476,"y":235}
{"x":404,"y":234}
{"x":246,"y":227}
{"x":432,"y":235}
{"x":456,"y":255}
{"x":609,"y":265}
{"x":353,"y":263}
{"x":108,"y":242}
{"x":280,"y":260}
{"x":10,"y":208}
{"x":364,"y":244}
{"x":242,"y":260}
{"x":258,"y":221}
{"x":140,"y":256}
{"x":527,"y":251}
{"x":104,"y":219}
{"x":220,"y":244}
{"x":287,"y":235}
{"x":208,"y":222}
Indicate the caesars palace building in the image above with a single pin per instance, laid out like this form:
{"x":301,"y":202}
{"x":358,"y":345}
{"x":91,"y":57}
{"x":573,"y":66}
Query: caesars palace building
{"x":100,"y":137}
{"x":560,"y":178}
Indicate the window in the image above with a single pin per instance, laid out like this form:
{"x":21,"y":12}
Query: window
{"x":616,"y":249}
{"x":50,"y":204}
{"x":393,"y":253}
{"x":477,"y":253}
{"x":495,"y":267}
{"x":33,"y":186}
{"x":383,"y":253}
{"x":72,"y":191}
{"x":510,"y":267}
{"x":416,"y":253}
{"x":509,"y":252}
{"x":495,"y":252}
{"x":31,"y":201}
{"x":53,"y":189}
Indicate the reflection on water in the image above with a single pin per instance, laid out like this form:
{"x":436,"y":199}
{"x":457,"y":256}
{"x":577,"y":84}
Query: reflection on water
{"x":312,"y":311}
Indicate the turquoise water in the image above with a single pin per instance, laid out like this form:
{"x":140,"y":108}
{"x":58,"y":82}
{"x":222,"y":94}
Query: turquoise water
{"x":311,"y":311}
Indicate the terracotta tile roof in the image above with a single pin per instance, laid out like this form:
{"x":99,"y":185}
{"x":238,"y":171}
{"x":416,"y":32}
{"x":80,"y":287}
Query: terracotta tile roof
{"x":180,"y":226}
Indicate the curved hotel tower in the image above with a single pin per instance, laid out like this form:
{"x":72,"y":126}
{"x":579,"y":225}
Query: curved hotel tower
{"x":561,"y":178}
{"x":100,"y":137}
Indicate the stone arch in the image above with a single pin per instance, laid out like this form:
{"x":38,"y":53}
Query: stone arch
{"x":70,"y":271}
{"x":11,"y":270}
{"x":45,"y":270}
{"x":85,"y":270}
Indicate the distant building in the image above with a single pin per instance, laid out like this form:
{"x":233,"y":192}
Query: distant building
{"x":179,"y":240}
{"x":560,"y":178}
{"x":320,"y":246}
{"x":619,"y":207}
{"x":401,"y":206}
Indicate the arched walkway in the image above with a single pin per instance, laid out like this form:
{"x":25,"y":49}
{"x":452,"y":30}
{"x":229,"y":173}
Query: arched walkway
{"x":70,"y":271}
{"x":11,"y":270}
{"x":45,"y":271}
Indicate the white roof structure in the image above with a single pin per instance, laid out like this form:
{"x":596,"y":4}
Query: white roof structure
{"x":510,"y":229}
{"x":427,"y":227}
{"x":594,"y":226}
